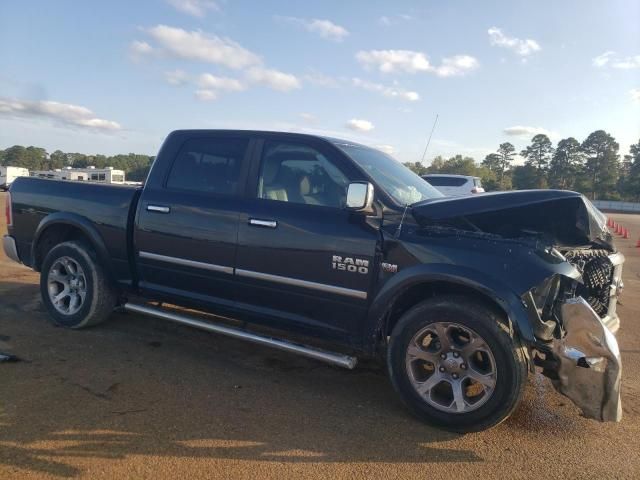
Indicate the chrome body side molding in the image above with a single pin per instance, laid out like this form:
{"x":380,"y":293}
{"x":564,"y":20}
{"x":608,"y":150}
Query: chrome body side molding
{"x":323,"y":287}
{"x":187,"y":263}
{"x":302,"y":283}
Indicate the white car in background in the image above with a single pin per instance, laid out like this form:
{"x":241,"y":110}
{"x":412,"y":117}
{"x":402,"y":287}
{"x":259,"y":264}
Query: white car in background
{"x":9,"y":174}
{"x":455,"y":185}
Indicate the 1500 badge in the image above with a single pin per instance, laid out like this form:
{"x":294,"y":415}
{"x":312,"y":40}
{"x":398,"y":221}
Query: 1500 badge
{"x":350,"y":264}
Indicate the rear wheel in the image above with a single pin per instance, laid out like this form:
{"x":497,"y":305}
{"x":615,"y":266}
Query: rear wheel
{"x":74,"y":287}
{"x":456,"y":365}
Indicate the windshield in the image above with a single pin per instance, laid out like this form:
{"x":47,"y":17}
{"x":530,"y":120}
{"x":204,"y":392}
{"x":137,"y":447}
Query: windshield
{"x":404,"y":186}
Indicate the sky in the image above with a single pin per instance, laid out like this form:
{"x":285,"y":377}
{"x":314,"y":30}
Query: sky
{"x":118,"y":76}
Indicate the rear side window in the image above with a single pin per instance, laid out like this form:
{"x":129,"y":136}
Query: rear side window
{"x":477,"y":182}
{"x":446,"y":181}
{"x":210,"y":165}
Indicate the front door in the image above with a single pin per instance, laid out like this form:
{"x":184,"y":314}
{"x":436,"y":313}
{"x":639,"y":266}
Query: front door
{"x":187,"y":225}
{"x":303,"y":259}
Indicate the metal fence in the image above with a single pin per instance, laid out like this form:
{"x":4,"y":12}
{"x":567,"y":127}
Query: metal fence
{"x":611,"y":206}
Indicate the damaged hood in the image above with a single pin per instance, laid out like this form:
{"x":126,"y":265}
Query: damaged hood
{"x":562,"y":217}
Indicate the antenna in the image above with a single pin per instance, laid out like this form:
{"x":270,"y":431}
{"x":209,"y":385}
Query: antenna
{"x":429,"y":141}
{"x":404,"y":213}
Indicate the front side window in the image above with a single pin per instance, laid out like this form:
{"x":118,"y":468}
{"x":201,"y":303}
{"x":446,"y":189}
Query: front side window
{"x":298,"y":173}
{"x":210,"y":165}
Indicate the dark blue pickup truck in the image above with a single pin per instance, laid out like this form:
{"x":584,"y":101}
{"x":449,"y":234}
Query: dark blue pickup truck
{"x":339,"y":253}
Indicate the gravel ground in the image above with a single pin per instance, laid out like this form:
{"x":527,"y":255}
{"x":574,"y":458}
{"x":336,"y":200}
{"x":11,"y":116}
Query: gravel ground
{"x":139,"y":398}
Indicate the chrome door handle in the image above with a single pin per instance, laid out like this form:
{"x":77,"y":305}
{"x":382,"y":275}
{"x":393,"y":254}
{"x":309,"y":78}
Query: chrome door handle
{"x":158,"y":209}
{"x":263,"y":223}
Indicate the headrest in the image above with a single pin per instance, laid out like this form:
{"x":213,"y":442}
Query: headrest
{"x":305,"y":185}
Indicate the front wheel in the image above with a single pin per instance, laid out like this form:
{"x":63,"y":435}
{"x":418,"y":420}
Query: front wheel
{"x":74,"y":287}
{"x":456,"y":365}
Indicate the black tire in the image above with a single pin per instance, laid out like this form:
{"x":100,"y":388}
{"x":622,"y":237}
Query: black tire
{"x":100,"y":298}
{"x":510,"y":362}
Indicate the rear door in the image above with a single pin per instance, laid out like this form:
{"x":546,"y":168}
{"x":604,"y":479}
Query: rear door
{"x":304,"y":262}
{"x":187,"y":225}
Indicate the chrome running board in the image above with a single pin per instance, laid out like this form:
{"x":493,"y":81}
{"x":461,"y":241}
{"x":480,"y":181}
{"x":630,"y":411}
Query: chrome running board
{"x":332,"y":358}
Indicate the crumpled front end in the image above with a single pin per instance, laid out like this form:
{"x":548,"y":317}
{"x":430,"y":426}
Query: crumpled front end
{"x":577,"y":272}
{"x":589,"y":368}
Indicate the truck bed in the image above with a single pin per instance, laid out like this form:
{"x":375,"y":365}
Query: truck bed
{"x":107,"y":209}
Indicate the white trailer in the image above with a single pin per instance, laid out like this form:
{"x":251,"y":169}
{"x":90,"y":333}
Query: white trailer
{"x":9,"y":174}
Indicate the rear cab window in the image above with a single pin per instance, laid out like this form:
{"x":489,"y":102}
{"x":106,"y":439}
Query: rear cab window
{"x":446,"y":181}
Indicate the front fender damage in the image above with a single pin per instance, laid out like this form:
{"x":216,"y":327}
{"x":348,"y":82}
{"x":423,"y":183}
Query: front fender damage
{"x":589,"y":366}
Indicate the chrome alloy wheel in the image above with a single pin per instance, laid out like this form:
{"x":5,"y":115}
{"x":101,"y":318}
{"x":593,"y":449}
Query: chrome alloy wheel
{"x":67,"y":285}
{"x":451,"y":367}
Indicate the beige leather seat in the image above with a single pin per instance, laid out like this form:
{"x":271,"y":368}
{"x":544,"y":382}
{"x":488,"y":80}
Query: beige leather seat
{"x":270,"y":188}
{"x":306,"y":191}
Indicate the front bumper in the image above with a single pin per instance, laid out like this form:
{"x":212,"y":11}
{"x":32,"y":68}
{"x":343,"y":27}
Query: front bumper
{"x":589,"y":367}
{"x":9,"y":247}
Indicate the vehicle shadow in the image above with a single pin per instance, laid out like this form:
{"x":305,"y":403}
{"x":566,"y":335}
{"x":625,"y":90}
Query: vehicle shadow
{"x":138,"y":387}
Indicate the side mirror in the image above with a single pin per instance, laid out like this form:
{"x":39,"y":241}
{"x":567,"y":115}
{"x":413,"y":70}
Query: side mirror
{"x":360,"y":197}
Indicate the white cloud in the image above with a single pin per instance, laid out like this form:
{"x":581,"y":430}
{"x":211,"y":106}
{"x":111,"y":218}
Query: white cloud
{"x":360,"y":125}
{"x":388,"y":149}
{"x":274,"y":79}
{"x":635,"y":95}
{"x":203,"y":47}
{"x":627,"y":63}
{"x":322,"y":27}
{"x":518,"y":46}
{"x":456,"y":65}
{"x":207,"y":81}
{"x":391,"y":92}
{"x":528,"y":132}
{"x":388,"y":20}
{"x":327,"y":29}
{"x":308,"y":117}
{"x":195,"y":8}
{"x":603,"y":59}
{"x":63,"y":113}
{"x":139,"y":49}
{"x":409,"y":61}
{"x":321,"y":80}
{"x":176,"y":77}
{"x":206,"y":95}
{"x":394,"y":60}
{"x":613,"y":60}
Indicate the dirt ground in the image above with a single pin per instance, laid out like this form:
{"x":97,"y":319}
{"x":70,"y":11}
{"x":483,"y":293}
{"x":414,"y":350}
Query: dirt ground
{"x":139,"y":398}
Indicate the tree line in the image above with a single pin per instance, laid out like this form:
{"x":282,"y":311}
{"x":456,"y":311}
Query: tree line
{"x":135,"y":166}
{"x":593,"y":167}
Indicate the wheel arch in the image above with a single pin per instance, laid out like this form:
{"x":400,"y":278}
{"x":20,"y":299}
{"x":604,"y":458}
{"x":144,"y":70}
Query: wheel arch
{"x":61,"y":227}
{"x":424,"y":281}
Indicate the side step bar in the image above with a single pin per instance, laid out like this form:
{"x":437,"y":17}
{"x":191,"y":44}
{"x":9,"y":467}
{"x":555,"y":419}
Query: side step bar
{"x":332,"y":358}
